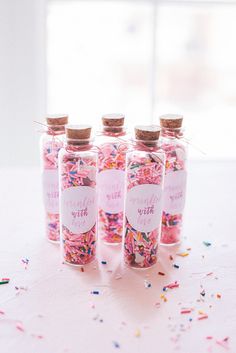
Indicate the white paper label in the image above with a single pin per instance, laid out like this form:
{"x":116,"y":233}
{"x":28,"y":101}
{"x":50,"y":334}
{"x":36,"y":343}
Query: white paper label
{"x":111,"y":190}
{"x":78,"y":208}
{"x":51,"y":190}
{"x":174,"y":192}
{"x":144,"y":207}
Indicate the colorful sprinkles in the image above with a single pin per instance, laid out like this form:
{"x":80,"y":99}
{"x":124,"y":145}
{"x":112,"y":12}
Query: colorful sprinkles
{"x":140,"y":247}
{"x":78,"y":171}
{"x":51,"y":146}
{"x":175,"y":151}
{"x":111,"y":156}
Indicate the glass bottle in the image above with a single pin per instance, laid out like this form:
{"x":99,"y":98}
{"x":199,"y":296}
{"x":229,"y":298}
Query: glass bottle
{"x":111,"y":176}
{"x":175,"y":148}
{"x":77,"y":181}
{"x":51,"y":142}
{"x":143,"y":205}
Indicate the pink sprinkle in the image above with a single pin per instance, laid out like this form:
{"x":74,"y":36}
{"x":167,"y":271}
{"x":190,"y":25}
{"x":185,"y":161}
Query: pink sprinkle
{"x":223,"y":344}
{"x":20,"y":327}
{"x":203,"y":317}
{"x":209,"y":337}
{"x":37,"y":336}
{"x":187,"y":311}
{"x":2,"y":312}
{"x":118,"y":276}
{"x":172,"y":285}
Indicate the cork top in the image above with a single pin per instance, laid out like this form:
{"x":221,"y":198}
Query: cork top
{"x":113,"y":120}
{"x":57,"y":119}
{"x":78,"y":132}
{"x":171,"y":121}
{"x":147,"y":132}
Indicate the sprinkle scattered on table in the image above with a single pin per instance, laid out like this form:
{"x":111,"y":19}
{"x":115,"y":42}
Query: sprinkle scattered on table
{"x":116,"y":344}
{"x":25,"y":261}
{"x":171,"y":286}
{"x":186,"y":311}
{"x":96,"y":292}
{"x":161,"y":273}
{"x":137,"y":333}
{"x":206,"y":243}
{"x":118,"y":276}
{"x":163,"y":297}
{"x":223,"y":343}
{"x":183,"y":254}
{"x":4,"y":281}
{"x":147,"y":284}
{"x":19,"y":326}
{"x":175,"y":266}
{"x":203,"y":293}
{"x":202,"y":317}
{"x":103,"y":262}
{"x":40,"y":337}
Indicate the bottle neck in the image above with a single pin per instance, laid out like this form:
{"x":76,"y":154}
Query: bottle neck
{"x":74,"y":145}
{"x":148,"y":146}
{"x":172,"y":133}
{"x":114,"y":131}
{"x":55,"y":130}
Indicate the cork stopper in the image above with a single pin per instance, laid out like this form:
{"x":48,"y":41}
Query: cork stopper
{"x":171,"y":121}
{"x":57,"y":119}
{"x":147,"y":132}
{"x":113,"y":120}
{"x":78,"y":132}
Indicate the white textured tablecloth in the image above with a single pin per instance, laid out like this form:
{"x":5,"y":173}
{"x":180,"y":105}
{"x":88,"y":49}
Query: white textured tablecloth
{"x":55,"y":312}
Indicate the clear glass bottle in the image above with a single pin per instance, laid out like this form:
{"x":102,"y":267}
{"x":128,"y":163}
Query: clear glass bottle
{"x":51,"y":142}
{"x":175,"y":148}
{"x":78,"y":211}
{"x":111,"y":176}
{"x":143,"y":205}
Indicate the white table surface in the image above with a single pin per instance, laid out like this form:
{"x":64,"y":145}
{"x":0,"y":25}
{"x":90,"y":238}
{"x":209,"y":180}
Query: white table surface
{"x":58,"y":313}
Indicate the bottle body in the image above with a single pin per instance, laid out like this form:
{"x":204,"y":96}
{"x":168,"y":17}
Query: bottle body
{"x":78,"y":214}
{"x":174,"y":186}
{"x":143,"y":207}
{"x":50,"y":145}
{"x":111,"y":178}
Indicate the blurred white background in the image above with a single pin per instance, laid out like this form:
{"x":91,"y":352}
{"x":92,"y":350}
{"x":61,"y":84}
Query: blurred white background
{"x":141,"y":58}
